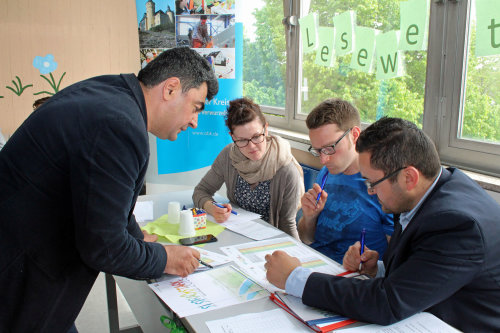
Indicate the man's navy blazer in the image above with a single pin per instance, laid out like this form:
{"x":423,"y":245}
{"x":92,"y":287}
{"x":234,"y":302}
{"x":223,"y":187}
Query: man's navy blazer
{"x":445,"y":262}
{"x":69,"y":179}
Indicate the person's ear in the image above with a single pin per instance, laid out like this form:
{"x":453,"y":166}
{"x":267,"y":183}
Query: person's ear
{"x":356,"y":131}
{"x":171,"y":87}
{"x":411,"y":176}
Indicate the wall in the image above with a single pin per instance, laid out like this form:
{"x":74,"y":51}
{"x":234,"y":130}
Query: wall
{"x":86,"y":38}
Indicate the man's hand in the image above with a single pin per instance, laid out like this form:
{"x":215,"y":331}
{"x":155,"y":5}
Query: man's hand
{"x":220,"y":214}
{"x":181,"y":260}
{"x":308,"y":202}
{"x":148,"y":237}
{"x":279,"y":265}
{"x":369,"y":259}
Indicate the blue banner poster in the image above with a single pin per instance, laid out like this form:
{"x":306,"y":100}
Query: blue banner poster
{"x":210,"y":29}
{"x":198,"y":148}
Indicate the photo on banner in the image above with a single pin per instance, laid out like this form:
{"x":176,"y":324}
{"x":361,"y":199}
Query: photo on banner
{"x":156,"y":23}
{"x":198,"y":7}
{"x":205,"y":31}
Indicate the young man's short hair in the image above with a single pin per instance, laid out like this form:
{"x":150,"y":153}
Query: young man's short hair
{"x":334,"y":111}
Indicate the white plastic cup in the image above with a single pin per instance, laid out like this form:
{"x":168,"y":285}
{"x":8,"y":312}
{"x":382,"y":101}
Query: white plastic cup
{"x":174,"y":210}
{"x":186,"y":228}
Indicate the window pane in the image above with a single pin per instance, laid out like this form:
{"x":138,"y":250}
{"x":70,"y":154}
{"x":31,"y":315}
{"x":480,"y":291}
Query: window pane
{"x":397,"y":97}
{"x":480,"y":119}
{"x":264,"y":54}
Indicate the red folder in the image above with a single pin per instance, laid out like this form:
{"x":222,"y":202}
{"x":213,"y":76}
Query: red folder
{"x":315,"y":328}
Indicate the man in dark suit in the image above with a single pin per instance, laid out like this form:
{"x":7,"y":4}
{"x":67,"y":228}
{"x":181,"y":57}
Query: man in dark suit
{"x":443,"y":256}
{"x":69,"y":179}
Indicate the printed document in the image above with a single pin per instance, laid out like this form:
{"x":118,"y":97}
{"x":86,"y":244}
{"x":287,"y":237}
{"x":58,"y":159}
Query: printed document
{"x":211,"y":258}
{"x":205,"y":291}
{"x":274,"y":321}
{"x":422,"y":322}
{"x":243,"y":224}
{"x":143,"y":211}
{"x":250,"y":257}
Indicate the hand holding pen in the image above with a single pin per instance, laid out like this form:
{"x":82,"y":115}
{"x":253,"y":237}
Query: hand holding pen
{"x":205,"y":264}
{"x":313,"y":201}
{"x":220,"y":206}
{"x":220,"y":215}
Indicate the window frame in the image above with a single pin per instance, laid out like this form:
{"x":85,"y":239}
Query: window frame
{"x":445,"y":95}
{"x":444,"y":87}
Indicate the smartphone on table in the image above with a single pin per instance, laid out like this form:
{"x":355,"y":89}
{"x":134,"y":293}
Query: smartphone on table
{"x":198,"y":240}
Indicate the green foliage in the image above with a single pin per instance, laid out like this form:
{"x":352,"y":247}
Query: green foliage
{"x":481,"y":118}
{"x":264,"y":60}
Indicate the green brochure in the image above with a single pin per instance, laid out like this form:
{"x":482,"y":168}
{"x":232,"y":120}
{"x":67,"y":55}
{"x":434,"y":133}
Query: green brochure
{"x":363,"y":56}
{"x":487,"y":27}
{"x":309,"y":32}
{"x":389,"y":58}
{"x":344,"y":32}
{"x":325,"y":52}
{"x":414,"y":24}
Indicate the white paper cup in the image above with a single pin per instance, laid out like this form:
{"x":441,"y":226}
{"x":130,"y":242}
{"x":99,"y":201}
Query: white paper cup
{"x":174,"y":210}
{"x":186,"y":228}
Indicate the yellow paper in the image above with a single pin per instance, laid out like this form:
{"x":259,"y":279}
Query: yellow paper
{"x":168,"y":232}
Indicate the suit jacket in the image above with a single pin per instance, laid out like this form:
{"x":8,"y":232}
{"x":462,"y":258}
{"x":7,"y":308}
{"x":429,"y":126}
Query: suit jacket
{"x":446,"y":262}
{"x":69,"y":179}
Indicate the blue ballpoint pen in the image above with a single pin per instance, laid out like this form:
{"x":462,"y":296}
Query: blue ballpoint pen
{"x":362,"y":241}
{"x":323,"y":182}
{"x":220,"y":206}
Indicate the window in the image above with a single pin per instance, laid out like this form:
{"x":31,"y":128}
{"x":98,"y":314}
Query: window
{"x":480,"y":117}
{"x":264,"y":55}
{"x":448,"y":90}
{"x":398,"y":97}
{"x":461,"y":112}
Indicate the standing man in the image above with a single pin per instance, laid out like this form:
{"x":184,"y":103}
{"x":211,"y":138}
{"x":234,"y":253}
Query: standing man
{"x":69,"y":178}
{"x":443,"y":255}
{"x":200,"y":33}
{"x":2,"y":140}
{"x":344,"y":208}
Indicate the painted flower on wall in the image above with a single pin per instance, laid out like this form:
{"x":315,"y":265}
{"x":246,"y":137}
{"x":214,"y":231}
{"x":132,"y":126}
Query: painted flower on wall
{"x":46,"y":65}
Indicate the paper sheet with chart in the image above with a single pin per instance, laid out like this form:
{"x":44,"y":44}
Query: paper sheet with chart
{"x":205,"y":291}
{"x":250,"y":258}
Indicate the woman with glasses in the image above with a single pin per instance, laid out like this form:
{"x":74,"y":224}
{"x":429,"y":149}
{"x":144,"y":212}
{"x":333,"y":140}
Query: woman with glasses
{"x":259,"y":171}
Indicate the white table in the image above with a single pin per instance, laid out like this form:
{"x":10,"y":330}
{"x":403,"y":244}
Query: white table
{"x":148,"y":308}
